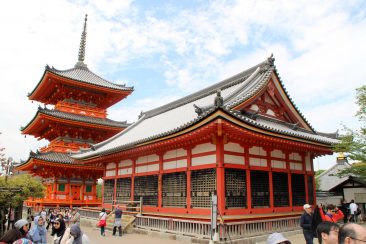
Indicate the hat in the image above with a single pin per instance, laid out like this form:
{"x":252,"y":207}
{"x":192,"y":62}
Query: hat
{"x":306,"y":206}
{"x":276,"y":238}
{"x":20,"y":223}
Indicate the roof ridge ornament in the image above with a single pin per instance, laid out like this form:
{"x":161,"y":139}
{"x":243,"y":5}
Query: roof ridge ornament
{"x":268,"y":63}
{"x":219,"y":100}
{"x":81,"y":58}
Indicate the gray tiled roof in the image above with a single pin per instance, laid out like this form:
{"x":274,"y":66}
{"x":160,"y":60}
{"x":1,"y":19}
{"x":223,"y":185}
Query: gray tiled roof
{"x":80,"y":118}
{"x":55,"y":157}
{"x":181,"y":114}
{"x":83,"y":74}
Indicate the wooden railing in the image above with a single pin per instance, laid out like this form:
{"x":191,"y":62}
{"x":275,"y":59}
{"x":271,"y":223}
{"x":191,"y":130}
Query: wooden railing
{"x":187,"y":227}
{"x":234,"y":230}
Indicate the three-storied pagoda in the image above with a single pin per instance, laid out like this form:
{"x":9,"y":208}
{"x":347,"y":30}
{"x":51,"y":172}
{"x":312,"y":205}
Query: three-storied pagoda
{"x":79,"y":118}
{"x":243,"y":139}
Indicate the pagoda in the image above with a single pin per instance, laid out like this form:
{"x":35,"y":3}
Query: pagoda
{"x":77,"y":119}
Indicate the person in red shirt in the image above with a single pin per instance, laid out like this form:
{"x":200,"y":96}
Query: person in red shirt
{"x":333,"y":214}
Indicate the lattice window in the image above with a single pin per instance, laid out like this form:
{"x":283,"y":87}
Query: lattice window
{"x":310,"y":189}
{"x":236,"y":188}
{"x":147,"y":188}
{"x":298,"y":189}
{"x":61,"y":187}
{"x":88,"y":188}
{"x":123,"y":189}
{"x":203,"y":184}
{"x":280,"y":189}
{"x":175,"y":190}
{"x":260,"y":189}
{"x":108,"y":191}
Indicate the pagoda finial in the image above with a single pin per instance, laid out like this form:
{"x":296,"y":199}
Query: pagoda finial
{"x":81,"y":58}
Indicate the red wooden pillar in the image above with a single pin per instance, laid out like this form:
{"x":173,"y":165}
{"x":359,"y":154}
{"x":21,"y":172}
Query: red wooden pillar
{"x":270,"y":179}
{"x":114,"y":201}
{"x":133,"y":179}
{"x":189,"y":164}
{"x":289,"y":179}
{"x":54,"y":188}
{"x":220,"y":174}
{"x":249,"y":185}
{"x":312,"y":170}
{"x":83,"y":189}
{"x":160,"y":182}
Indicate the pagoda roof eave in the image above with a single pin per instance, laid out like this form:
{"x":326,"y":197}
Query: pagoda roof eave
{"x":70,"y":118}
{"x":54,"y":159}
{"x":99,"y":85}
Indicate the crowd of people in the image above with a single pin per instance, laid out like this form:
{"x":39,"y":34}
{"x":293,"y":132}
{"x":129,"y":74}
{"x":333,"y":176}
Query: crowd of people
{"x":65,"y":228}
{"x":322,"y":223}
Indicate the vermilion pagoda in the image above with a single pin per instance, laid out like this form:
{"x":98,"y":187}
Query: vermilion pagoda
{"x":78,"y":119}
{"x":243,"y":139}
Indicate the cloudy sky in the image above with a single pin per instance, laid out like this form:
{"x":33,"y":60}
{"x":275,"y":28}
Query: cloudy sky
{"x":168,"y":49}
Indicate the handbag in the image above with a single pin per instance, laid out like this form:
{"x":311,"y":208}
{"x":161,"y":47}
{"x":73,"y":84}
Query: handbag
{"x":102,"y":222}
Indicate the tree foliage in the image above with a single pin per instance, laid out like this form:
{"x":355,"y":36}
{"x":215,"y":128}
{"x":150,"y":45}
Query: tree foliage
{"x":353,"y":142}
{"x":19,"y":188}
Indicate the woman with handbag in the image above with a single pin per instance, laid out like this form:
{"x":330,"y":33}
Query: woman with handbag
{"x":102,"y":221}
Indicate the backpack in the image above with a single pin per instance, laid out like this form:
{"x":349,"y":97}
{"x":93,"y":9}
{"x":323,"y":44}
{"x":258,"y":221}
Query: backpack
{"x":358,"y":211}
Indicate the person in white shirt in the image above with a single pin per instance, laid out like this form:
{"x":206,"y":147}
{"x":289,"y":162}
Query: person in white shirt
{"x":353,"y":211}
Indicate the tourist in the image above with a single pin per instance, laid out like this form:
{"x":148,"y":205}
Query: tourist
{"x":352,"y":233}
{"x":38,"y":231}
{"x":117,"y":221}
{"x":58,"y":230}
{"x":43,"y":214}
{"x":353,"y":211}
{"x":30,"y":217}
{"x":67,"y":217}
{"x":22,"y":226}
{"x":306,"y":224}
{"x":102,"y":221}
{"x":345,"y":210}
{"x":327,"y":233}
{"x":74,"y":235}
{"x":51,"y":218}
{"x":75,"y":217}
{"x":10,"y":236}
{"x":333,"y":214}
{"x":11,"y":218}
{"x":277,"y":238}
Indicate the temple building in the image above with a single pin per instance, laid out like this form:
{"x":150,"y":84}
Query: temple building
{"x":242,"y":139}
{"x":78,"y":118}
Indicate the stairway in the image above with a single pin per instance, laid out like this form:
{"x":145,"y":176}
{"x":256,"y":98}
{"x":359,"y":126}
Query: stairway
{"x":127,"y":222}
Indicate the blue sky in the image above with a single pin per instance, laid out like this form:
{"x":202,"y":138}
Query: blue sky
{"x":168,"y":49}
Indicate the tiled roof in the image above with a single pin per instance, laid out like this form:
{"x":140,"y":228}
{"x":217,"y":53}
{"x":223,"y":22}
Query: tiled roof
{"x":181,"y":114}
{"x":55,"y":157}
{"x":80,"y":118}
{"x":83,"y":74}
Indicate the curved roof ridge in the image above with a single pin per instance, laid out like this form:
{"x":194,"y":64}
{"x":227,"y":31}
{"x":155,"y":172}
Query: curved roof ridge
{"x":233,"y":80}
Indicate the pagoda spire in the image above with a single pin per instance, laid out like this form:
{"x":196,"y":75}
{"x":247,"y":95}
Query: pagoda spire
{"x":81,"y":57}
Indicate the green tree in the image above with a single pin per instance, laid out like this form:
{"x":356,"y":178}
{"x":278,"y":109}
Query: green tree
{"x":19,"y":188}
{"x":317,"y":180}
{"x":353,"y":142}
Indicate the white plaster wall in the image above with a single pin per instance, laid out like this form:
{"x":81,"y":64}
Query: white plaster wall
{"x":125,"y":171}
{"x":232,"y":159}
{"x":201,"y":148}
{"x":175,"y":153}
{"x":278,"y":154}
{"x":110,"y":173}
{"x":111,"y":166}
{"x":295,"y":156}
{"x":278,"y":164}
{"x":308,"y":162}
{"x":258,"y":162}
{"x":125,"y":163}
{"x":233,"y":147}
{"x":257,"y":151}
{"x":296,"y":166}
{"x":182,"y":163}
{"x":209,"y":159}
{"x":147,"y":168}
{"x":349,"y":193}
{"x":147,"y":159}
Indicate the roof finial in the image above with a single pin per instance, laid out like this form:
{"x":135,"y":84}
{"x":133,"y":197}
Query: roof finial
{"x":81,"y":58}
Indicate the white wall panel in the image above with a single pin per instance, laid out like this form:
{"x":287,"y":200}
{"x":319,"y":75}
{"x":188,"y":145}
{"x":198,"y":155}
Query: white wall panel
{"x":175,"y":164}
{"x":233,"y":147}
{"x":296,"y":166}
{"x":206,"y":147}
{"x":278,"y":164}
{"x":126,"y":171}
{"x":175,"y":153}
{"x":257,"y":151}
{"x":125,"y":163}
{"x":209,"y":159}
{"x":308,"y":162}
{"x":295,"y":156}
{"x":258,"y":162}
{"x":147,"y":159}
{"x":110,"y":173}
{"x":111,"y":166}
{"x":232,"y":159}
{"x":278,"y":154}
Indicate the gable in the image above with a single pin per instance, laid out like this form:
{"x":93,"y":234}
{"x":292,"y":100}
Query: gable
{"x":273,"y":102}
